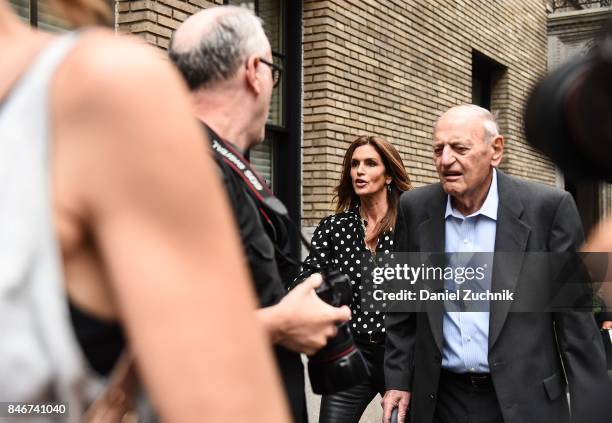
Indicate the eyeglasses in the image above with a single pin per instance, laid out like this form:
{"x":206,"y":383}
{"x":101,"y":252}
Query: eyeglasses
{"x":277,"y":71}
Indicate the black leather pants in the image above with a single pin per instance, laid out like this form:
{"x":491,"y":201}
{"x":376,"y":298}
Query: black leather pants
{"x":348,"y":406}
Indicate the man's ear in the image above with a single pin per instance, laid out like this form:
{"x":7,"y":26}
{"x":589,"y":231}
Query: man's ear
{"x":253,"y":77}
{"x":497,"y":144}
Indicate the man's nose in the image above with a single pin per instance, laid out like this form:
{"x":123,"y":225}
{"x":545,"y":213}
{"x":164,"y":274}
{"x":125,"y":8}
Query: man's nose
{"x":447,"y":157}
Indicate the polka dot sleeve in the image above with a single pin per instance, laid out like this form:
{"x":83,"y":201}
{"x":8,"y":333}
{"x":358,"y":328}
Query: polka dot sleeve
{"x":321,"y":243}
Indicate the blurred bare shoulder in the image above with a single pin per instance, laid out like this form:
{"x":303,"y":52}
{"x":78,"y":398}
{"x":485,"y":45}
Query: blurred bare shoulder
{"x":115,"y":71}
{"x":116,"y":96}
{"x":102,"y":53}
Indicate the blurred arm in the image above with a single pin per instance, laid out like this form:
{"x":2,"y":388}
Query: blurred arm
{"x":579,"y":340}
{"x":146,"y":191}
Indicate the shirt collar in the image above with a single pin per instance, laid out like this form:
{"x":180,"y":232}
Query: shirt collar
{"x":488,"y":209}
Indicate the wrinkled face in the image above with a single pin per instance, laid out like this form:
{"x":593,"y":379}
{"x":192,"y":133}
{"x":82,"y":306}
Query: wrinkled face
{"x":368,"y":171}
{"x":462,"y":157}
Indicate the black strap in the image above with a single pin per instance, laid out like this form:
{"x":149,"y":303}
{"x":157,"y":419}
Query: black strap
{"x":254,"y":181}
{"x":268,"y":204}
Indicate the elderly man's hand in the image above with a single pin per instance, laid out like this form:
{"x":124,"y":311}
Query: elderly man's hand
{"x":301,"y":321}
{"x":396,"y":399}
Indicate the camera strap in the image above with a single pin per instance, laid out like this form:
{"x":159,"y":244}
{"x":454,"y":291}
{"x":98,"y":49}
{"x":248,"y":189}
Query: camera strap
{"x":254,"y":181}
{"x":270,"y":207}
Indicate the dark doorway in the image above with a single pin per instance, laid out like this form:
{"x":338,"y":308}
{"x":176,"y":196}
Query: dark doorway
{"x":485,"y":74}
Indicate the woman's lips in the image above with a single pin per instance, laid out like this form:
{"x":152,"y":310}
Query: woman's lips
{"x":360,"y":183}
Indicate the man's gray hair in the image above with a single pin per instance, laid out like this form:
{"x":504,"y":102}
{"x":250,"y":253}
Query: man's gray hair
{"x":220,"y":47}
{"x":491,"y":128}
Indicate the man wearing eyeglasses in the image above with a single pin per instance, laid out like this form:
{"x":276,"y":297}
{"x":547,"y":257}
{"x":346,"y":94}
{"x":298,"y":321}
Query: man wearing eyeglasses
{"x":226,"y":59}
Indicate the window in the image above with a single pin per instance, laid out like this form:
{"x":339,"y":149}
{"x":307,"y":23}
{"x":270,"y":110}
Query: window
{"x":279,"y":157}
{"x":271,"y":13}
{"x":485,"y":73}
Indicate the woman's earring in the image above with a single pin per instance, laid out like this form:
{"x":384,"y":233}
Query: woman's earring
{"x":389,"y":188}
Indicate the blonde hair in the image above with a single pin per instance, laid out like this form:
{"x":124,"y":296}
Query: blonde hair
{"x":86,"y":12}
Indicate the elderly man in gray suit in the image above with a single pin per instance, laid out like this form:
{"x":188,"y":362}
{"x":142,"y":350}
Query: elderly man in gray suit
{"x":496,"y":365}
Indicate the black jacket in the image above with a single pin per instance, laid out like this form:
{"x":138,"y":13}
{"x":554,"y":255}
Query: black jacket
{"x":260,"y":253}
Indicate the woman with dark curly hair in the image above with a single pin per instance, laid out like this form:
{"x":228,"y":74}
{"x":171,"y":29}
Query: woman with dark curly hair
{"x":373,"y":178}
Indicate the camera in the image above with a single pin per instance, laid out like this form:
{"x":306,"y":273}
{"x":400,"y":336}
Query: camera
{"x":569,"y":114}
{"x":339,"y":365}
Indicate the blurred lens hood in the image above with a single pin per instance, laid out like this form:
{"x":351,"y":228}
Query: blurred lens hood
{"x":568,"y":115}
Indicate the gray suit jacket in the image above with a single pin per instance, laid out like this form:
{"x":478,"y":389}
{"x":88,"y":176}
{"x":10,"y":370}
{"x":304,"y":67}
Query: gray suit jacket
{"x":525,"y":349}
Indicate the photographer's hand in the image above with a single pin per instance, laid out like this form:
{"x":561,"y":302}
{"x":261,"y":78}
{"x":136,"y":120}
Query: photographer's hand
{"x":301,"y":321}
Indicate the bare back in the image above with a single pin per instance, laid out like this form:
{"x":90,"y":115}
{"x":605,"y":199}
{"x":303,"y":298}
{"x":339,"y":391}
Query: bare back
{"x":136,"y":207}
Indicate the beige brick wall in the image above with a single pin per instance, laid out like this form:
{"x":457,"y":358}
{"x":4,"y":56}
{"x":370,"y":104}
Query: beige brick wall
{"x":156,"y":20}
{"x":389,"y":68}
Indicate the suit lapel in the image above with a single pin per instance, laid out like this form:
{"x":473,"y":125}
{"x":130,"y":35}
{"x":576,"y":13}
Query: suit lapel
{"x":431,"y":240}
{"x":511,"y":236}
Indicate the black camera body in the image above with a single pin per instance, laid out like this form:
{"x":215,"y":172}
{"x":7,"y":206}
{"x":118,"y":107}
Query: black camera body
{"x":339,"y":365}
{"x":335,"y":289}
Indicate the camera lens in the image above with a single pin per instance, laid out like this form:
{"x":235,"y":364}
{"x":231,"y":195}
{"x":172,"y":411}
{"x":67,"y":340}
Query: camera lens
{"x":568,"y":114}
{"x":338,"y":366}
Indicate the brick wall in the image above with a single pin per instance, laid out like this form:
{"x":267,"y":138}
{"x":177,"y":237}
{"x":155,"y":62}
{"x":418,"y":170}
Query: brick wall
{"x":156,"y":20}
{"x":389,"y":68}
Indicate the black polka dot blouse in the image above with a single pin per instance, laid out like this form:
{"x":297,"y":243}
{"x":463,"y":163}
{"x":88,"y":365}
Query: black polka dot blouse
{"x":339,"y":240}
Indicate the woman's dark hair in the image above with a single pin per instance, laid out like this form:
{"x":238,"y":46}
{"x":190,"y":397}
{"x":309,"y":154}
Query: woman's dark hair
{"x":400,"y":182}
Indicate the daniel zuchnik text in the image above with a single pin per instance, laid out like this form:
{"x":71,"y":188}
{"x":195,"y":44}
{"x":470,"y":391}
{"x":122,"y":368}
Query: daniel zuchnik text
{"x":447,"y":295}
{"x":421,"y":274}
